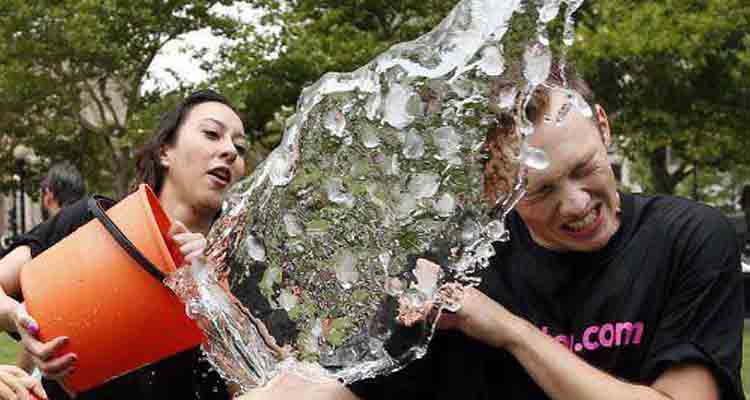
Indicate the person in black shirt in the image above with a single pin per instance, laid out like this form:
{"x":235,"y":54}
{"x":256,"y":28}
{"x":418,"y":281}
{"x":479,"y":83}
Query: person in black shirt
{"x":598,"y":294}
{"x":195,"y":154}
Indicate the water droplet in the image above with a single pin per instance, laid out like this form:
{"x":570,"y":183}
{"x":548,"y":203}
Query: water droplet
{"x":533,"y":157}
{"x":413,"y":145}
{"x":373,"y":105}
{"x":255,"y":248}
{"x":563,"y":113}
{"x":548,"y":11}
{"x":337,"y":195}
{"x":486,"y":250}
{"x":396,"y":101}
{"x":406,"y":206}
{"x":496,"y":230}
{"x":446,"y":205}
{"x":428,"y":275}
{"x":279,"y":167}
{"x":346,"y":268}
{"x":424,"y":185}
{"x":492,"y":62}
{"x":335,"y":123}
{"x":507,"y":98}
{"x":287,"y":300}
{"x":370,"y":138}
{"x":448,"y":143}
{"x":580,"y":104}
{"x":293,"y":226}
{"x":537,"y":63}
{"x":470,"y":231}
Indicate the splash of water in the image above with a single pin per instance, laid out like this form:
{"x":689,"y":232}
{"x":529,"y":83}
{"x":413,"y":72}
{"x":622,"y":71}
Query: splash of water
{"x":377,"y":169}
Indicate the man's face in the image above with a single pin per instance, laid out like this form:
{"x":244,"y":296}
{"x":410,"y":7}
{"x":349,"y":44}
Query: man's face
{"x":572,"y":205}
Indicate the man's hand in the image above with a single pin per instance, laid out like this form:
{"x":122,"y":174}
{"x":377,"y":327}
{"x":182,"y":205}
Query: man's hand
{"x":482,"y":319}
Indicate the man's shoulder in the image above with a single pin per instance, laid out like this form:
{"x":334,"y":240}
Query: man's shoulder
{"x":669,"y":211}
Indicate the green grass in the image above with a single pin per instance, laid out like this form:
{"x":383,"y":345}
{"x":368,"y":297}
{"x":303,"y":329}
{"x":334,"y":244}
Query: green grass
{"x":9,"y":348}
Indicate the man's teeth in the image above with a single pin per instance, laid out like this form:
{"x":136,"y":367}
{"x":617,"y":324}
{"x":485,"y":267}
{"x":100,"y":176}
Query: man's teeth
{"x":582,"y":223}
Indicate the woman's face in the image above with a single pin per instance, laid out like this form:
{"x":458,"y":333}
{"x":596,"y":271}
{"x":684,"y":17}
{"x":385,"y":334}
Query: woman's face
{"x":206,"y":157}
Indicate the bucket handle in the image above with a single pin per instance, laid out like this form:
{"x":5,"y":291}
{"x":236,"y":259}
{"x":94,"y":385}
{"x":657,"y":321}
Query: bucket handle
{"x":96,"y":208}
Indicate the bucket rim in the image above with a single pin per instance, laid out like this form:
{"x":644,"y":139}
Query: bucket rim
{"x":150,"y":202}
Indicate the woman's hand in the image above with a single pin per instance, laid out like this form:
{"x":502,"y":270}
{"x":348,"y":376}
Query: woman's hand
{"x":192,"y":245}
{"x":43,"y":354}
{"x":16,"y":384}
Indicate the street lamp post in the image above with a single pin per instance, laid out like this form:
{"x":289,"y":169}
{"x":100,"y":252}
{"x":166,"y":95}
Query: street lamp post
{"x":24,"y":156}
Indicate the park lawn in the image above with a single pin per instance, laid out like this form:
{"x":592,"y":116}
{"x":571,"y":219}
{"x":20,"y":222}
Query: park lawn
{"x":9,"y":347}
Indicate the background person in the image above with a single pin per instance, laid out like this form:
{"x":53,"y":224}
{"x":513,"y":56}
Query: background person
{"x":62,"y":187}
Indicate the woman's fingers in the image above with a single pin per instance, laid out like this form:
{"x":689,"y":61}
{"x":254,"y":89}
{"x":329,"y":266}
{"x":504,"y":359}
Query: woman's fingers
{"x":196,"y":243}
{"x":24,"y":322}
{"x":43,"y":351}
{"x":177,"y":228}
{"x":13,"y":387}
{"x":59,"y":367}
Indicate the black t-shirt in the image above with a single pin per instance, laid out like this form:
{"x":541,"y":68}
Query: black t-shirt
{"x":666,"y":289}
{"x":183,"y":376}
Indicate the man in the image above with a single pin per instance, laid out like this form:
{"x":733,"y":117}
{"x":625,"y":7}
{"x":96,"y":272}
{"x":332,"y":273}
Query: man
{"x":62,"y":186}
{"x":598,"y":294}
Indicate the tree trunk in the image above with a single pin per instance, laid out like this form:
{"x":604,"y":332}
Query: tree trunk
{"x":121,"y":168}
{"x":664,"y":181}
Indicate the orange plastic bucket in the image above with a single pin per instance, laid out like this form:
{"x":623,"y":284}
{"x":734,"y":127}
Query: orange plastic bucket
{"x":117,"y":315}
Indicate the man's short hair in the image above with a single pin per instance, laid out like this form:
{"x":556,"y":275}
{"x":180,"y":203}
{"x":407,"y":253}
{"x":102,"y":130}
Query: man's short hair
{"x":65,"y":182}
{"x":503,"y":144}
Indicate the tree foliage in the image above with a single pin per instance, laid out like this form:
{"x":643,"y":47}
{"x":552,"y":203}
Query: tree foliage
{"x":300,"y":40}
{"x":72,"y":75}
{"x":674,"y":76}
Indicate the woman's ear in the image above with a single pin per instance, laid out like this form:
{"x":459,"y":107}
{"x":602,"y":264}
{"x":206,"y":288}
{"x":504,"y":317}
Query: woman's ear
{"x":164,"y":157}
{"x":602,"y":123}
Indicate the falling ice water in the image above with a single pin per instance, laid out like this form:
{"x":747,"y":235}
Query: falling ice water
{"x":347,"y":242}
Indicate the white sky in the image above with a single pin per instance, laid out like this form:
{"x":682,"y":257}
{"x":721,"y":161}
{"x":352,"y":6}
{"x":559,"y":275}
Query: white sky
{"x":177,"y":54}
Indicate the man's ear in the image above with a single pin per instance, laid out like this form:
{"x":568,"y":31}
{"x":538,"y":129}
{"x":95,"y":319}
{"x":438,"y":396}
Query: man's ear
{"x":49,"y":200}
{"x":602,"y":124}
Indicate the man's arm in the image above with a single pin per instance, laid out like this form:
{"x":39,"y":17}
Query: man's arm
{"x":10,"y":271}
{"x":558,"y":371}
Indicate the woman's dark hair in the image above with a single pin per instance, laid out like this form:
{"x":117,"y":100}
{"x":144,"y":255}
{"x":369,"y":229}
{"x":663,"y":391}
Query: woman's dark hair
{"x":148,"y":165}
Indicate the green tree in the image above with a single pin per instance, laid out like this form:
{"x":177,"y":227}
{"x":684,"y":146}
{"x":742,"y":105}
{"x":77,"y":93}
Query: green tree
{"x":300,"y":40}
{"x":72,"y":75}
{"x":673,"y":75}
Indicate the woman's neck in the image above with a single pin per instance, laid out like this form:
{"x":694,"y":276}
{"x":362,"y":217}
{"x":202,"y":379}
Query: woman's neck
{"x":193,"y":217}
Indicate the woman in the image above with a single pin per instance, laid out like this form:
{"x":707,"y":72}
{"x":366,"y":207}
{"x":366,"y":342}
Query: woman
{"x":194,"y":156}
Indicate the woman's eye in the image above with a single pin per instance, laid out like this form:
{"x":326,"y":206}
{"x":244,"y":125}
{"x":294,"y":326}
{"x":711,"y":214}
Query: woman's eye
{"x":241,"y":149}
{"x":211,"y":134}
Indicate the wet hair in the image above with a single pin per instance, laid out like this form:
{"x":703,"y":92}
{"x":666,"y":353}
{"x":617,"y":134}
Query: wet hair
{"x":65,"y":183}
{"x":558,"y":78}
{"x":503,"y":144}
{"x":149,"y":169}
